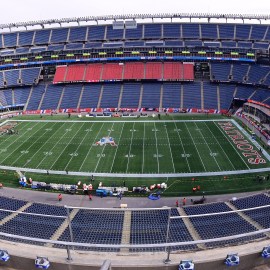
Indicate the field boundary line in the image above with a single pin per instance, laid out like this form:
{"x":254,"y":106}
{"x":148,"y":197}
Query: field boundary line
{"x":139,"y":175}
{"x":220,"y":146}
{"x":250,"y":139}
{"x":122,"y":121}
{"x":231,"y":144}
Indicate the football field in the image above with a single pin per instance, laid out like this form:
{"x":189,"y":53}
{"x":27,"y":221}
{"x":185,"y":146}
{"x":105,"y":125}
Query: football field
{"x":126,"y":147}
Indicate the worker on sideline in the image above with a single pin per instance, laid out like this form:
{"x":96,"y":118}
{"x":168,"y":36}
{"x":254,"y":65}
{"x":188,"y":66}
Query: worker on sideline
{"x":60,"y":197}
{"x":184,"y":201}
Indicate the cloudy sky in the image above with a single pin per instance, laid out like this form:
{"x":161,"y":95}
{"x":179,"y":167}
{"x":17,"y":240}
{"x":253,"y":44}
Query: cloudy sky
{"x":27,"y":10}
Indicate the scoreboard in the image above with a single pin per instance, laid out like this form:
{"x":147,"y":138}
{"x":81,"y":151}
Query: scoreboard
{"x":201,"y":67}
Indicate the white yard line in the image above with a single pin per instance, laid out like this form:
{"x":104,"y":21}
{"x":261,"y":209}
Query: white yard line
{"x":19,"y":144}
{"x":195,"y":147}
{"x":66,"y":145}
{"x":130,"y":145}
{"x":182,"y":146}
{"x":143,"y":146}
{"x":79,"y":145}
{"x":43,"y":144}
{"x":170,"y":148}
{"x":8,"y":137}
{"x":89,"y":150}
{"x":232,"y":146}
{"x":220,"y":146}
{"x":156,"y":146}
{"x":54,"y":145}
{"x":103,"y":148}
{"x":117,"y":147}
{"x":208,"y":146}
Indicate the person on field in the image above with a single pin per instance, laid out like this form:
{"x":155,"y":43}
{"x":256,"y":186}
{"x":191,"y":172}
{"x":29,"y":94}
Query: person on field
{"x":90,"y":197}
{"x":176,"y":203}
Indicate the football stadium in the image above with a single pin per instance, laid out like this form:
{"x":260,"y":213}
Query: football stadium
{"x":159,"y":123}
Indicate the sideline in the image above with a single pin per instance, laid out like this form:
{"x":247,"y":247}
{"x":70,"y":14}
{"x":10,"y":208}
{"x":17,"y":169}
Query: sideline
{"x":137,"y":175}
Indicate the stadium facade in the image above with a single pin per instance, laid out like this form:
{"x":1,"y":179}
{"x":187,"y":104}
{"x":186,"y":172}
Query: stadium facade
{"x":174,"y":63}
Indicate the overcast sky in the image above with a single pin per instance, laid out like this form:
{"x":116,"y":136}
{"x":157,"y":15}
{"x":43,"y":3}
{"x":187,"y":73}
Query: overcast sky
{"x":27,"y":10}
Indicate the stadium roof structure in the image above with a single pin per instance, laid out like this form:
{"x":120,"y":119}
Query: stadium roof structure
{"x":208,"y":16}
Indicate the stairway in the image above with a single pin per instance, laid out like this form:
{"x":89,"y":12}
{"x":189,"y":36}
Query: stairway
{"x":126,"y":231}
{"x":141,"y":96}
{"x":218,"y":98}
{"x":60,"y":99}
{"x":80,"y":98}
{"x":100,"y":96}
{"x":247,"y":218}
{"x":202,"y":96}
{"x":161,"y":97}
{"x":63,"y":227}
{"x":13,"y":215}
{"x":41,"y":100}
{"x":120,"y":97}
{"x":190,"y":227}
{"x":30,"y":94}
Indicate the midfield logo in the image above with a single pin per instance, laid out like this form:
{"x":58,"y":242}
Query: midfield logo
{"x":106,"y":140}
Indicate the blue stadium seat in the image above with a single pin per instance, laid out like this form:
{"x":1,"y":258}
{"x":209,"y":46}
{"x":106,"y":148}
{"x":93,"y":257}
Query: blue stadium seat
{"x":131,"y":95}
{"x":171,"y":95}
{"x":134,"y":33}
{"x":90,"y":96}
{"x":171,"y":31}
{"x":59,"y":35}
{"x":151,"y":95}
{"x":77,"y":34}
{"x":71,"y":96}
{"x":26,"y":38}
{"x":42,"y":36}
{"x":192,"y":95}
{"x":10,"y":40}
{"x":110,"y":96}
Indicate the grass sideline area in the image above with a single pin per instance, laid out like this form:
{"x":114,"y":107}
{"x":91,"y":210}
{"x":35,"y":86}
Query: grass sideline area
{"x":176,"y":186}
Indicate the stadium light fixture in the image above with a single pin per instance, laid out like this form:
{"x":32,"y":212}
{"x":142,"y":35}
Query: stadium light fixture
{"x":266,"y":252}
{"x":4,"y":256}
{"x":186,"y":265}
{"x":232,"y":259}
{"x":42,"y":262}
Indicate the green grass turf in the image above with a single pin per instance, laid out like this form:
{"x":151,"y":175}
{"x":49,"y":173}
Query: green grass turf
{"x":176,"y":186}
{"x":142,"y":147}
